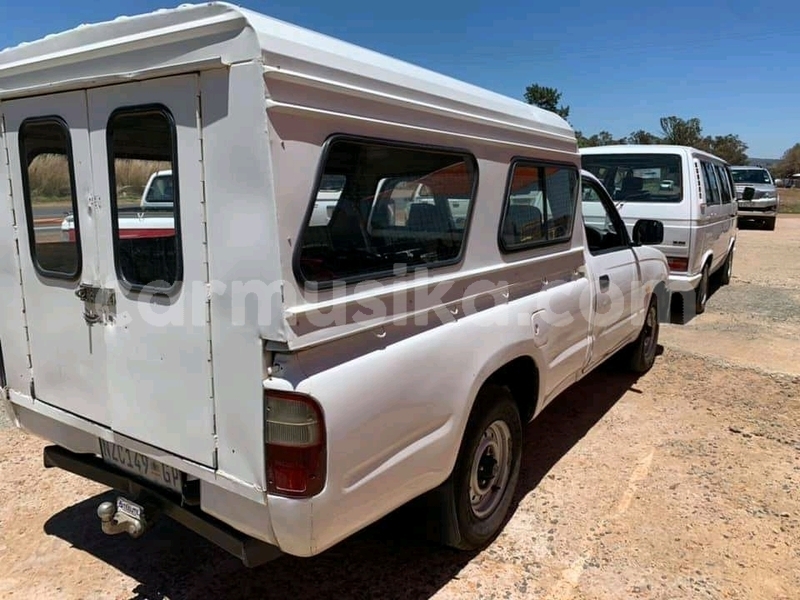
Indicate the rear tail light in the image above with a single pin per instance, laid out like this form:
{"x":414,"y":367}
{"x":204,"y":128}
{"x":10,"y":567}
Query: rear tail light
{"x":678,"y":264}
{"x":294,"y":443}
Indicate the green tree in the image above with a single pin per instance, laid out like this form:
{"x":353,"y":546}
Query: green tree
{"x":547,"y":98}
{"x":728,"y":147}
{"x":789,"y":163}
{"x":681,"y":132}
{"x":643,"y":137}
{"x":604,"y":138}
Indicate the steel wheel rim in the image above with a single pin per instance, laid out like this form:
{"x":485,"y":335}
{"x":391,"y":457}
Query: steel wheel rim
{"x":491,"y":468}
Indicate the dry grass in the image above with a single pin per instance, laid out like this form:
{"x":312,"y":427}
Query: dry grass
{"x":49,"y":177}
{"x":789,"y":200}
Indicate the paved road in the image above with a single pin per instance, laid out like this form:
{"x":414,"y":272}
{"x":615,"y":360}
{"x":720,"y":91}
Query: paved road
{"x":51,"y":211}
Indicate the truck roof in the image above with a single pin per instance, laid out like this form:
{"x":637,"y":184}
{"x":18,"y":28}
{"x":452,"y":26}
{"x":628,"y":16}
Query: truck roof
{"x":193,"y":37}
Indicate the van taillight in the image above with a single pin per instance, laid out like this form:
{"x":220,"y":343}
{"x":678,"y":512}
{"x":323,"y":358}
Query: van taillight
{"x":678,"y":264}
{"x":295,"y":444}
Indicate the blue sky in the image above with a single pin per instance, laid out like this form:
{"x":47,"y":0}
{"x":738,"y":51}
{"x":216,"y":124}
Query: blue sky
{"x":619,"y":64}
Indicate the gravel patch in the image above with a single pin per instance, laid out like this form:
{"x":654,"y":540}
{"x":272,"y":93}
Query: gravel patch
{"x":757,"y":301}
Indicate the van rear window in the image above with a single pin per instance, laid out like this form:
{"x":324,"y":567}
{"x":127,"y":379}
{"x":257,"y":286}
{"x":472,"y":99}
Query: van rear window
{"x":49,"y":192}
{"x":638,"y":177}
{"x":141,"y":142}
{"x":381,"y":207}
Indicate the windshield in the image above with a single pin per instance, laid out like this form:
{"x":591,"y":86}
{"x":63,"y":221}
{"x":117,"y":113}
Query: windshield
{"x":638,"y":177}
{"x":751,"y":176}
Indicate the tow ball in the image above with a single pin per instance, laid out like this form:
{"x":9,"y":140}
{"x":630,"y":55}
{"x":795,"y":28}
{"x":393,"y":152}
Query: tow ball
{"x":125,"y":516}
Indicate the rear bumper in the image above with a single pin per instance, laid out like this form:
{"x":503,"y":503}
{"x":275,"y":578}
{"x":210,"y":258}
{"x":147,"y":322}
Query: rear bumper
{"x":239,"y":505}
{"x":683,"y":283}
{"x":250,"y":551}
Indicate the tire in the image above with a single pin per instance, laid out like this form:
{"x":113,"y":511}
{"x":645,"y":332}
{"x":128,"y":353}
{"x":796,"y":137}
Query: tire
{"x":469,"y":520}
{"x":642,"y":352}
{"x":726,"y":272}
{"x":769,"y":224}
{"x":701,"y":293}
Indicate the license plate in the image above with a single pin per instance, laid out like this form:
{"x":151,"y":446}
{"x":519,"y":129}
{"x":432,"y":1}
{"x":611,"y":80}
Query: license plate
{"x":141,"y":465}
{"x":746,"y":204}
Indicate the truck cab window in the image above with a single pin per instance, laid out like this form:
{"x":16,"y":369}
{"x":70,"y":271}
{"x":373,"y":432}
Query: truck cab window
{"x":540,"y":206}
{"x":144,"y":197}
{"x":49,"y":192}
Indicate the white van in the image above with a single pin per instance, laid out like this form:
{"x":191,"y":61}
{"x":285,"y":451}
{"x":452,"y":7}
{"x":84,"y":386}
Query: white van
{"x":691,"y":192}
{"x":274,"y":381}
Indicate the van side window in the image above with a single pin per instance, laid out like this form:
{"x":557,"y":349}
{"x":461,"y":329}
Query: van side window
{"x":711,"y":184}
{"x":725,"y":184}
{"x":49,"y":191}
{"x":393,"y":207}
{"x":540,"y":206}
{"x":141,"y":142}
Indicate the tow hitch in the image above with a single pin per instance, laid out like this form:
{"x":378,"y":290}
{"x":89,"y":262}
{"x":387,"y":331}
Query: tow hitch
{"x":148,"y":503}
{"x":125,"y":516}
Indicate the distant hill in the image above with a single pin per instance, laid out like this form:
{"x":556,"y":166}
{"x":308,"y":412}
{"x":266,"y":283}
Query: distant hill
{"x":763,"y":162}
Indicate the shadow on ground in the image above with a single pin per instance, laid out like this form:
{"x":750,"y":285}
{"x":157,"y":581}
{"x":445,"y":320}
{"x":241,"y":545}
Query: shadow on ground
{"x":389,"y":559}
{"x":682,"y":310}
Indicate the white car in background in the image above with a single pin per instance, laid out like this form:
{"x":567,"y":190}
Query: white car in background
{"x":761,"y":202}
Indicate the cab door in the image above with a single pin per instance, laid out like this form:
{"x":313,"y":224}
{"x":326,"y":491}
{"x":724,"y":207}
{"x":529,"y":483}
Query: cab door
{"x":613,"y":269}
{"x":154,"y":264}
{"x":47,"y":141}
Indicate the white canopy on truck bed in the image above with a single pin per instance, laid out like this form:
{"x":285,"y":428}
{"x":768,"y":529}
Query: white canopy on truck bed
{"x":305,"y":74}
{"x":169,"y":40}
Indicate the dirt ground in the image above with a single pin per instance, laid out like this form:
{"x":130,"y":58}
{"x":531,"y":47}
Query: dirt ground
{"x":684,"y":483}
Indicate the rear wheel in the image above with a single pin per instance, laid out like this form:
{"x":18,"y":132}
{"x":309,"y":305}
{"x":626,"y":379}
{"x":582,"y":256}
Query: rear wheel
{"x":701,"y":293}
{"x":726,"y":272}
{"x":474,"y":502}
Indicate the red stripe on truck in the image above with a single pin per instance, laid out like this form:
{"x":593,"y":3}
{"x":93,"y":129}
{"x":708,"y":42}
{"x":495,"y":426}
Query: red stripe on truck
{"x":134,"y":234}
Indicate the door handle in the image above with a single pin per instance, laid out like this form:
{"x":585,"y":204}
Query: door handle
{"x":98,"y":303}
{"x":604,"y":282}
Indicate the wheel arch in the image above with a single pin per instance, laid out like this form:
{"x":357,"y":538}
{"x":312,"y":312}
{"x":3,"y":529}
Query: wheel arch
{"x":521,"y":376}
{"x":520,"y":373}
{"x":708,"y":259}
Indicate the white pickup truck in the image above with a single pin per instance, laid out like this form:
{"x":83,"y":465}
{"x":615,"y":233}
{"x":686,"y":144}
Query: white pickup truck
{"x":274,"y":378}
{"x":159,"y":191}
{"x":153,"y":217}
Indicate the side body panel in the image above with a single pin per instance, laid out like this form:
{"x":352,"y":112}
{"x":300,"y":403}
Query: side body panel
{"x":13,"y":331}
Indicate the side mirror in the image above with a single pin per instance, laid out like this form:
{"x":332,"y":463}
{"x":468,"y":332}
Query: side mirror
{"x":748,"y":193}
{"x":648,"y":232}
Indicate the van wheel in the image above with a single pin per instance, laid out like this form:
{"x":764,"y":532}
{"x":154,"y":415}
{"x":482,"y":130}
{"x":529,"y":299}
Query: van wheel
{"x":642,"y":352}
{"x":701,"y":293}
{"x":769,"y":224}
{"x":474,"y":502}
{"x":726,"y":272}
